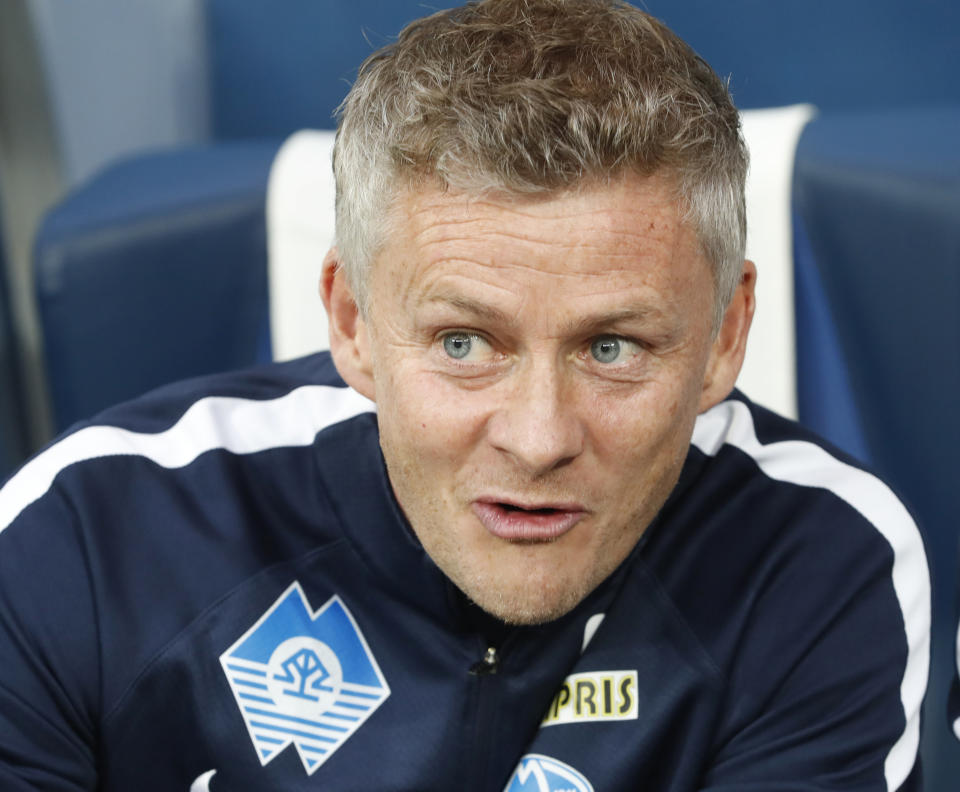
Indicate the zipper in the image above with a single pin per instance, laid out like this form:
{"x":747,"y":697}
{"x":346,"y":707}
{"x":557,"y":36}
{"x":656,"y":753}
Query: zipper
{"x":490,"y":663}
{"x":485,"y":687}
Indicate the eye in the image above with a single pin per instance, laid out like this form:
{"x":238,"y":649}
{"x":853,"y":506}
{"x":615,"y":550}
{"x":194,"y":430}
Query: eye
{"x":464,"y":346}
{"x":609,"y":349}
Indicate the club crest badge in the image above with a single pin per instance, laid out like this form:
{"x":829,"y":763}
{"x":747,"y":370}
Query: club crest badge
{"x":304,"y":678}
{"x":538,"y":773}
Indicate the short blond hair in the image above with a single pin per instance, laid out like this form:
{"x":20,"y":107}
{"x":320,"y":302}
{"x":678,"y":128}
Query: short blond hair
{"x":536,"y":96}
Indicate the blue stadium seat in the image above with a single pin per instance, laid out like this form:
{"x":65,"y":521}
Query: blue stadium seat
{"x":154,"y":268}
{"x":154,"y":271}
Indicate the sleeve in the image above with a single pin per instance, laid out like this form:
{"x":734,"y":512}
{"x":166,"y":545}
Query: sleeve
{"x":830,"y":676}
{"x":49,"y":653}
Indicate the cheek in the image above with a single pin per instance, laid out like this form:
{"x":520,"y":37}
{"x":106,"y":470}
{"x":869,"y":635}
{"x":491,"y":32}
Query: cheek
{"x":421,"y":414}
{"x":646,"y":433}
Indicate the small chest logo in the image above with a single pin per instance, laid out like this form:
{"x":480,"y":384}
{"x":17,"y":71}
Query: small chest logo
{"x":303,"y":678}
{"x":538,"y":773}
{"x":594,"y":696}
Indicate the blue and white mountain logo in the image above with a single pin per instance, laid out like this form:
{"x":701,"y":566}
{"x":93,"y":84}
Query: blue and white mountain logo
{"x":539,"y":773}
{"x":303,"y":677}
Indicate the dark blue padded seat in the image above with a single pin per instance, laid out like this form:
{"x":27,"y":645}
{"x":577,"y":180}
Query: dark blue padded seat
{"x":154,"y":270}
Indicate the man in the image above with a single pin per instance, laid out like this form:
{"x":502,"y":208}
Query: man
{"x":559,"y":555}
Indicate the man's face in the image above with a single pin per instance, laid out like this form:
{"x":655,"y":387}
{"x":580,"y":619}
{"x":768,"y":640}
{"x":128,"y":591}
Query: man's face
{"x":537,"y":366}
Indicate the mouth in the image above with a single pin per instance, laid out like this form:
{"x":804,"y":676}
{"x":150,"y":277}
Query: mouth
{"x":527,"y":523}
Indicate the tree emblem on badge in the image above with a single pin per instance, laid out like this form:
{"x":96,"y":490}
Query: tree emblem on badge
{"x":303,"y":665}
{"x":304,"y":676}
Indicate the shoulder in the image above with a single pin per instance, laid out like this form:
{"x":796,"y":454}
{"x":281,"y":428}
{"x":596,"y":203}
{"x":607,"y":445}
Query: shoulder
{"x":741,"y":442}
{"x":193,"y":487}
{"x":239,"y":413}
{"x":804,"y":578}
{"x":137,"y":521}
{"x":781,"y":493}
{"x":777,"y":491}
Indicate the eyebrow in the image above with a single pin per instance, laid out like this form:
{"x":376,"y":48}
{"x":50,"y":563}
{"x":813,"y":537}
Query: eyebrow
{"x":590,"y":325}
{"x":465,"y":304}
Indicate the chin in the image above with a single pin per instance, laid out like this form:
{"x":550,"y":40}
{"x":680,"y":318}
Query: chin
{"x":527,"y":604}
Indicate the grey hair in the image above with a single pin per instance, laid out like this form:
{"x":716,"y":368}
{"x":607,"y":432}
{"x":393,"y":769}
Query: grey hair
{"x":533,"y":97}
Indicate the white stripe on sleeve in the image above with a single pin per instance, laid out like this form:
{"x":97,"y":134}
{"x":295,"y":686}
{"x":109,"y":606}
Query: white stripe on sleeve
{"x":242,"y":426}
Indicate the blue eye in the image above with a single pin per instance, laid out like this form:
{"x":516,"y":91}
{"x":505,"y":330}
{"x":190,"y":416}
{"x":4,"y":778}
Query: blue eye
{"x":606,"y":349}
{"x":457,"y":345}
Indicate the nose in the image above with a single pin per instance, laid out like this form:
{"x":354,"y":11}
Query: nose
{"x":537,"y":423}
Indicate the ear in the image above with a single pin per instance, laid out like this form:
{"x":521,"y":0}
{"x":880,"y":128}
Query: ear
{"x":349,"y":340}
{"x":730,"y":345}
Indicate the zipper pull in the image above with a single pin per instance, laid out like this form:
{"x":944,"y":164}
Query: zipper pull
{"x":488,"y":665}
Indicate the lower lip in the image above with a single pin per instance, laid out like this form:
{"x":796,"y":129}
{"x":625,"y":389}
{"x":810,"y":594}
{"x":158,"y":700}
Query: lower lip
{"x":517,"y":525}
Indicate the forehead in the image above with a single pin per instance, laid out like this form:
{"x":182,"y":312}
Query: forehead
{"x":623,"y":228}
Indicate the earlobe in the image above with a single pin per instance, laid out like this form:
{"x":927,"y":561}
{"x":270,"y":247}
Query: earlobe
{"x":730,"y":345}
{"x":349,"y":342}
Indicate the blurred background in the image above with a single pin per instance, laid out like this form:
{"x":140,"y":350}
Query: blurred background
{"x":137,"y":139}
